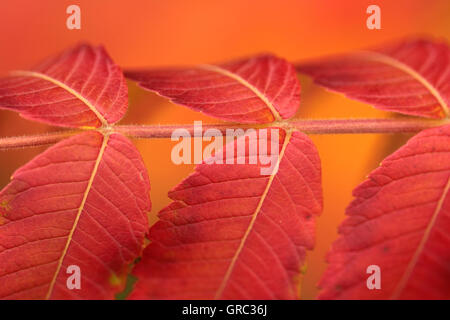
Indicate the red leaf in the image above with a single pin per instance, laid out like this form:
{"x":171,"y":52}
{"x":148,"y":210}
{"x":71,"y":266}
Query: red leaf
{"x":232,"y":233}
{"x":411,"y":77}
{"x":400,"y":221}
{"x":82,"y":202}
{"x":80,"y":87}
{"x":256,"y":90}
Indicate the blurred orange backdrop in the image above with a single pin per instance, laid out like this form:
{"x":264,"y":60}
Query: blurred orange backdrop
{"x":155,"y":33}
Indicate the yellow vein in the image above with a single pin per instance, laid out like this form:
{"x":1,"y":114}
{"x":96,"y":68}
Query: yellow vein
{"x":254,"y":216}
{"x":77,"y":218}
{"x":63,"y":86}
{"x":412,"y":264}
{"x":246,"y":84}
{"x":378,"y":57}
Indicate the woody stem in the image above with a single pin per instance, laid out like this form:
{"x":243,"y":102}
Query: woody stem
{"x":308,"y":126}
{"x":311,"y":126}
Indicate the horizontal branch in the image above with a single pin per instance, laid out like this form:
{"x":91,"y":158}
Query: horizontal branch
{"x":34,"y":140}
{"x":165,"y":131}
{"x":316,"y":126}
{"x":354,"y":126}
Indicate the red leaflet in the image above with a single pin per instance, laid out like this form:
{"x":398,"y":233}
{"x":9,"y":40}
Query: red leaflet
{"x":232,"y":233}
{"x":400,"y":221}
{"x":256,"y":90}
{"x":412,"y":77}
{"x":80,"y":87}
{"x":82,"y":202}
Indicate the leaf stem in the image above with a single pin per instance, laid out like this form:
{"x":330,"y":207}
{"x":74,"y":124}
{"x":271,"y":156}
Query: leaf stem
{"x":355,"y":126}
{"x":308,"y":126}
{"x":34,"y":140}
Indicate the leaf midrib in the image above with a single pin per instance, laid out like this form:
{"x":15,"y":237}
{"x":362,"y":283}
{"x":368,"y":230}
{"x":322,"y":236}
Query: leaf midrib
{"x":62,"y":85}
{"x":255,"y":214}
{"x":260,"y":95}
{"x":77,"y":217}
{"x":395,"y":63}
{"x":415,"y":258}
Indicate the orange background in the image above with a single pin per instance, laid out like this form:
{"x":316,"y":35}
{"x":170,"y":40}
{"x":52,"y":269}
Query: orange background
{"x":156,"y":33}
